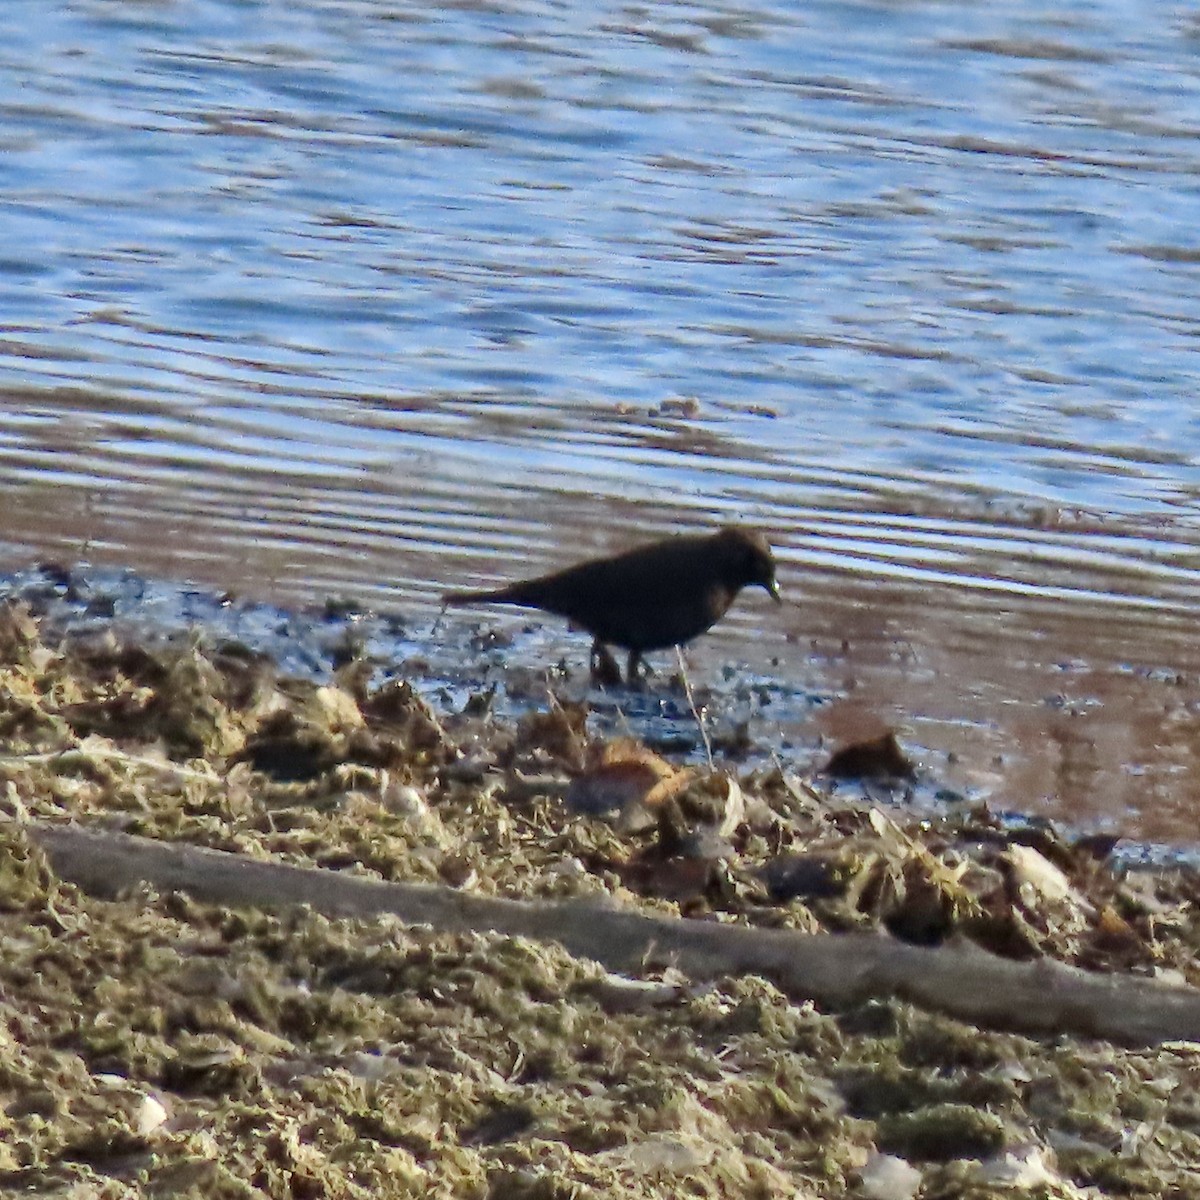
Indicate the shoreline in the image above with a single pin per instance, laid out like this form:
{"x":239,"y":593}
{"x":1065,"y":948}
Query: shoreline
{"x":162,"y":1038}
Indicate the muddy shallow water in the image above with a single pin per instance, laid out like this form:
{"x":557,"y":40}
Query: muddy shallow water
{"x":751,"y":709}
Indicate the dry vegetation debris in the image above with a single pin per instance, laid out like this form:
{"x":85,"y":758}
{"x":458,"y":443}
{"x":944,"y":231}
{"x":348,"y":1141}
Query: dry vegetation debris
{"x":154,"y":1046}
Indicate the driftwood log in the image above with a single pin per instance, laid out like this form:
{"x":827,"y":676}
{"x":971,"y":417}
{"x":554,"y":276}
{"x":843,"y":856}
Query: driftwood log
{"x":833,"y":970}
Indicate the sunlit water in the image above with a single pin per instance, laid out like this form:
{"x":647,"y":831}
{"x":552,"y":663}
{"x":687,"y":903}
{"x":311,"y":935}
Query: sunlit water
{"x":373,"y":299}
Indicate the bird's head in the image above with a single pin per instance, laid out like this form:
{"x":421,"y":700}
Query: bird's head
{"x":748,"y":559}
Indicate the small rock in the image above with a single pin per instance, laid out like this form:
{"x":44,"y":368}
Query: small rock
{"x":888,"y":1177}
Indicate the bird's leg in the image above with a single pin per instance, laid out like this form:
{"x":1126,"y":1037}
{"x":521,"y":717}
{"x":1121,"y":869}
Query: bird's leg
{"x":604,"y":668}
{"x":632,"y":674}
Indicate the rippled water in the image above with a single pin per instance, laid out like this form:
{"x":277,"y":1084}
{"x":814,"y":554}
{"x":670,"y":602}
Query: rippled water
{"x":376,"y":298}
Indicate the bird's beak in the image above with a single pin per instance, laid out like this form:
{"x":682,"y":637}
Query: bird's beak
{"x":773,"y":588}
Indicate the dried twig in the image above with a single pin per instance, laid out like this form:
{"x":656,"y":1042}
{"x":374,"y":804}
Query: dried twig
{"x":832,"y":969}
{"x":691,"y":699}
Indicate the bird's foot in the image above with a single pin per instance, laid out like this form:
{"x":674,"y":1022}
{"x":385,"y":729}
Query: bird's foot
{"x":605,"y":670}
{"x":634,"y":676}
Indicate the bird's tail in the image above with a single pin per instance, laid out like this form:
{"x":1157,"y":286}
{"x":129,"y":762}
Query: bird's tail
{"x":504,"y":595}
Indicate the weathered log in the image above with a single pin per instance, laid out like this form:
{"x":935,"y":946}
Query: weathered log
{"x":833,"y":970}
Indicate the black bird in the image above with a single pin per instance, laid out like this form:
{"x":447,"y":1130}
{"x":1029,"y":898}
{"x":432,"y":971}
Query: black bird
{"x":654,"y":596}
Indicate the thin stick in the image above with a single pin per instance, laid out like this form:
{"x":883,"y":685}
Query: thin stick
{"x":691,"y":699}
{"x":70,"y":754}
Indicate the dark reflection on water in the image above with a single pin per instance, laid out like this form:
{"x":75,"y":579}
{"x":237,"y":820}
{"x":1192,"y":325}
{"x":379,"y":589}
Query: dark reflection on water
{"x":373,"y":298}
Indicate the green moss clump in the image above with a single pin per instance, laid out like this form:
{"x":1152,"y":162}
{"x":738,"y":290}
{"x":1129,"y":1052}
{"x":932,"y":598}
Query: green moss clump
{"x":941,"y":1131}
